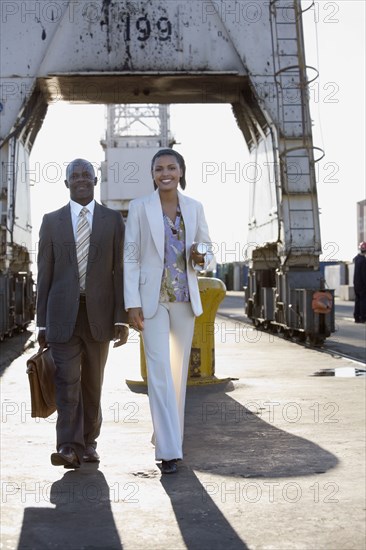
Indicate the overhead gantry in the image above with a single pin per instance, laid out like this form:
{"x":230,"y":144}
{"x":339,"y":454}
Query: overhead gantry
{"x":244,"y":52}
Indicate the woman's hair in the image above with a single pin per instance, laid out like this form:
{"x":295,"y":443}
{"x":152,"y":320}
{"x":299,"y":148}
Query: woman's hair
{"x":180,"y":159}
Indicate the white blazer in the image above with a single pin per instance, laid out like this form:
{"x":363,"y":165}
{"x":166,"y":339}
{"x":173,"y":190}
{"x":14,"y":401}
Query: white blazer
{"x":144,"y":251}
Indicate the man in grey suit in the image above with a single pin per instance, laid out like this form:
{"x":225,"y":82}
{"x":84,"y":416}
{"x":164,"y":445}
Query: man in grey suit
{"x":80,"y":309}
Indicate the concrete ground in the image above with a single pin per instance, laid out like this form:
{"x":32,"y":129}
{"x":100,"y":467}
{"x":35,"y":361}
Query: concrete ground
{"x":274,"y":459}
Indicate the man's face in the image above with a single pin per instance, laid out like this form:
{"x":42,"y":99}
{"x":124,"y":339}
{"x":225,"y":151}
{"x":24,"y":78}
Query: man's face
{"x":81,"y":182}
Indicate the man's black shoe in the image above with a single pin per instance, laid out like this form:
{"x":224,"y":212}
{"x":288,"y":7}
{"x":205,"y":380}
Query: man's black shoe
{"x":66,"y":457}
{"x":90,"y":454}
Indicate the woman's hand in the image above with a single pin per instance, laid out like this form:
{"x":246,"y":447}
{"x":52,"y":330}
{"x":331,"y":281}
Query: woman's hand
{"x":136,"y":318}
{"x":196,"y":257}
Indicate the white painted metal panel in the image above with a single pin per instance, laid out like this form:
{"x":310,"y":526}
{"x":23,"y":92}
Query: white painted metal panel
{"x":110,"y":36}
{"x":263,"y":216}
{"x":170,"y":50}
{"x":128,"y":174}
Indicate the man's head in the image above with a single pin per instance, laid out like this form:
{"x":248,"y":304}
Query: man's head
{"x":363,"y":247}
{"x":80,"y":180}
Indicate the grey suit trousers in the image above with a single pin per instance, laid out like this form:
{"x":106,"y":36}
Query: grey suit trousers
{"x":80,"y":366}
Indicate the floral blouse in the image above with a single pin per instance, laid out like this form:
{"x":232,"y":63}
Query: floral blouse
{"x":174,"y":283}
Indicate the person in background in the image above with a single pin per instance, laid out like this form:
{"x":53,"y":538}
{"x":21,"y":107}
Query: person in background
{"x":80,"y":309}
{"x":162,"y":296}
{"x":359,"y":284}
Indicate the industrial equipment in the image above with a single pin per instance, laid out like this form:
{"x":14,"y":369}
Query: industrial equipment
{"x":244,"y":52}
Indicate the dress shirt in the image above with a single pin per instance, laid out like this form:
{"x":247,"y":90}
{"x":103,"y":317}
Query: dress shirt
{"x":174,"y":284}
{"x":76,"y":208}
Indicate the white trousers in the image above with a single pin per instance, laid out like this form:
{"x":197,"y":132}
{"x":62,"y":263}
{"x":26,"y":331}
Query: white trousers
{"x":167,"y":342}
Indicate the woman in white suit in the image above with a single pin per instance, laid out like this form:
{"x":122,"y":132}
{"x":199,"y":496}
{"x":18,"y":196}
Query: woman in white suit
{"x":161,"y":293}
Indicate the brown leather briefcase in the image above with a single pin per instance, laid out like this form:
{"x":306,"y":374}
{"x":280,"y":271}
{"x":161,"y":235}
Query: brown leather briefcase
{"x":41,"y":372}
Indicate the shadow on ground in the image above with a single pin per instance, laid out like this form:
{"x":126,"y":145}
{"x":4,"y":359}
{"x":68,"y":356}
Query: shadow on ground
{"x":225,"y":438}
{"x":224,"y":442}
{"x":12,"y":348}
{"x":82,"y":517}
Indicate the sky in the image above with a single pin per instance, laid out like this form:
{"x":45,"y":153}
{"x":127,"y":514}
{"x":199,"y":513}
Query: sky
{"x":335,"y":45}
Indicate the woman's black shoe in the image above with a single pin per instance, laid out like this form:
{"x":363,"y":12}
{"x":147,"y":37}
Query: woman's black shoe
{"x":169,"y":466}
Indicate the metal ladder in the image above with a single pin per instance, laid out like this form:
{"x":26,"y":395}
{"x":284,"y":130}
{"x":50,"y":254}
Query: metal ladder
{"x":299,"y":208}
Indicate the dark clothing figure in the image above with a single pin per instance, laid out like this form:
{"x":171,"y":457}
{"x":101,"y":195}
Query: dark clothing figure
{"x":359,"y":284}
{"x":80,"y":308}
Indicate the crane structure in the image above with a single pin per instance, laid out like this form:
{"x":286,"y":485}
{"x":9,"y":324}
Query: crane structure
{"x":248,"y":53}
{"x":134,"y":133}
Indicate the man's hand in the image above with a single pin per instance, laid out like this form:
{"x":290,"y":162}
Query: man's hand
{"x":120,"y":335}
{"x":136,"y":318}
{"x":42,"y":342}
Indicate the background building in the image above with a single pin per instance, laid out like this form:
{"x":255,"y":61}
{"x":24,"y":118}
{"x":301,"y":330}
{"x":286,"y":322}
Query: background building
{"x":361,"y":221}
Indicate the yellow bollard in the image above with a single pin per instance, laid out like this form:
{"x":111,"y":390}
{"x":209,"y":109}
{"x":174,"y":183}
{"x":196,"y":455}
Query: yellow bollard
{"x":202,"y":361}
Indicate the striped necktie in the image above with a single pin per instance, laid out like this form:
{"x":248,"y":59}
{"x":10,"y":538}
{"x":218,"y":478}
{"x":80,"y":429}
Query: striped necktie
{"x":82,"y":245}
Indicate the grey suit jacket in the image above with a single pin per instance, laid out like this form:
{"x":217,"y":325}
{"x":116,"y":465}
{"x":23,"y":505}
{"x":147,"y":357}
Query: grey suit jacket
{"x":58,"y":292}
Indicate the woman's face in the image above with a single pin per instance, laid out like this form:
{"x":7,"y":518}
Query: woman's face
{"x":166,"y":172}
